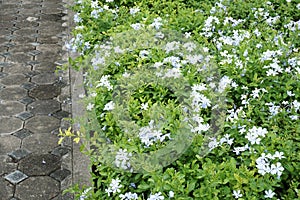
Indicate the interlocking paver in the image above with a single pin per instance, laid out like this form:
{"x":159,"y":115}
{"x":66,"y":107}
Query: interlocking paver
{"x":6,"y":189}
{"x":8,"y":143}
{"x":24,"y":115}
{"x":44,"y":78}
{"x":23,"y":133}
{"x":13,"y":93}
{"x":33,"y":101}
{"x":11,"y":108}
{"x":60,"y":174}
{"x":45,"y":92}
{"x":16,"y":177}
{"x":40,"y":143}
{"x":42,"y":124}
{"x":39,"y":165}
{"x":6,"y":165}
{"x":8,"y":125}
{"x":44,"y":107}
{"x":19,"y":154}
{"x":37,"y":188}
{"x":14,"y":79}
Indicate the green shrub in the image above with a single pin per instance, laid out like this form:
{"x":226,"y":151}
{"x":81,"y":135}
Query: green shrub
{"x":148,"y":113}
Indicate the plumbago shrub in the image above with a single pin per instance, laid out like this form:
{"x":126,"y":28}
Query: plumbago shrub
{"x":190,"y":99}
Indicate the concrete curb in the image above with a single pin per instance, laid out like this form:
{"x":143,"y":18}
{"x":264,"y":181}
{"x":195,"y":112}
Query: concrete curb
{"x":80,"y":162}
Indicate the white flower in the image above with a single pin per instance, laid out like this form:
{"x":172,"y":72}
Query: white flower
{"x":84,"y":193}
{"x":213,"y":144}
{"x":255,"y":93}
{"x":128,"y":196}
{"x":133,"y":11}
{"x":144,"y":54}
{"x":277,"y":169}
{"x":105,"y":82}
{"x":90,"y":106}
{"x":81,"y":96}
{"x":77,"y":18}
{"x":109,"y":106}
{"x":122,"y":159}
{"x":278,"y":155}
{"x":199,"y":87}
{"x":157,"y":23}
{"x":237,"y":194}
{"x":156,"y":196}
{"x":171,"y":194}
{"x":269,"y":194}
{"x":114,"y":187}
{"x":136,"y":26}
{"x":144,"y":106}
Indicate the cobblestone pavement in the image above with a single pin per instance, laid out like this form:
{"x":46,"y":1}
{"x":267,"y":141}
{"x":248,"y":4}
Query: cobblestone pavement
{"x":34,"y":101}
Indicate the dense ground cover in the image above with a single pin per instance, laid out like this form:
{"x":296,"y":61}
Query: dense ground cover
{"x":190,"y":99}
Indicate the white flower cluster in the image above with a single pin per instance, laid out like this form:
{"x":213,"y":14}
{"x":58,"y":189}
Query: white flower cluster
{"x":128,"y":196}
{"x":156,"y":196}
{"x":200,"y":126}
{"x":254,"y":134}
{"x":199,"y":100}
{"x":104,"y":82}
{"x":114,"y":187}
{"x":225,"y":139}
{"x":264,"y":165}
{"x":149,"y":134}
{"x":122,"y":159}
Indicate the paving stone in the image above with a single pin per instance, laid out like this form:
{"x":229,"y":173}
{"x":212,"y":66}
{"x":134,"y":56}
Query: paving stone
{"x":44,"y":107}
{"x":26,"y":100}
{"x":19,"y":57}
{"x":5,"y":64}
{"x":37,"y":188}
{"x":60,"y":151}
{"x":24,"y":115}
{"x":11,"y":108}
{"x":66,"y":196}
{"x":5,"y":54}
{"x":42,"y":124}
{"x":26,"y":31}
{"x":39,"y":165}
{"x":19,"y":154}
{"x":60,"y":174}
{"x":6,"y":166}
{"x":49,"y":56}
{"x":14,"y":79}
{"x":34,"y":52}
{"x":8,"y":143}
{"x":6,"y":189}
{"x":13,"y":93}
{"x":45,"y":67}
{"x":9,"y":44}
{"x":28,"y":85}
{"x":24,"y":40}
{"x":32,"y":73}
{"x":44,"y":92}
{"x":17,"y":68}
{"x":26,"y":23}
{"x":9,"y":125}
{"x":2,"y":75}
{"x":61,"y":114}
{"x":40,"y":142}
{"x":22,"y":48}
{"x":16,"y":177}
{"x":45,"y":78}
{"x":49,"y":40}
{"x":23,"y":133}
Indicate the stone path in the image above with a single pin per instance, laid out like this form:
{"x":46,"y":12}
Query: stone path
{"x":34,"y":100}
